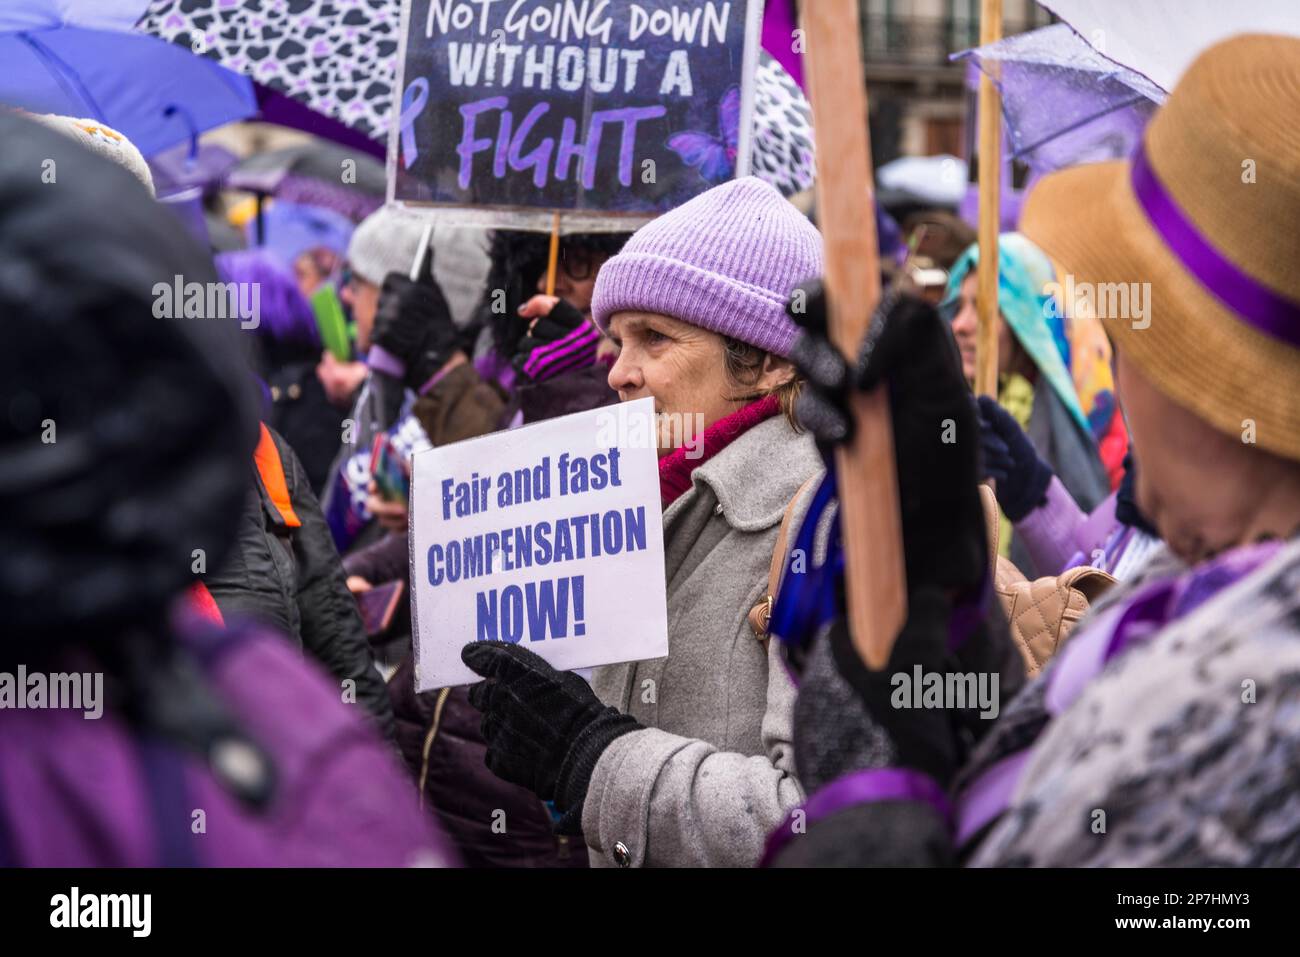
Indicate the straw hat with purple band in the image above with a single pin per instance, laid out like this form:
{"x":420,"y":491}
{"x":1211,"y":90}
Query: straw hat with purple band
{"x":1207,"y":212}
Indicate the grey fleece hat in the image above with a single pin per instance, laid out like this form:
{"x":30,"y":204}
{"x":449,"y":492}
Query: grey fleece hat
{"x":387,"y":239}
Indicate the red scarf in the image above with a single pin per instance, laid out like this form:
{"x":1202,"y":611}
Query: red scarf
{"x":675,"y":468}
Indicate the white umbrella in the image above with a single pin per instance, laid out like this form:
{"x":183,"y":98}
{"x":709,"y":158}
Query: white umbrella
{"x":1161,"y":38}
{"x":934,"y":180}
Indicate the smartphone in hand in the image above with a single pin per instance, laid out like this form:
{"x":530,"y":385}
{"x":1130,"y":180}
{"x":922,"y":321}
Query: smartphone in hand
{"x":389,"y":471}
{"x":379,"y":605}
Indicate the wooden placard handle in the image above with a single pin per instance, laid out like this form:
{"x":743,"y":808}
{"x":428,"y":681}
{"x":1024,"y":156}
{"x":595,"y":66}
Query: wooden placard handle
{"x":875,"y":585}
{"x":553,"y":256}
{"x":990,"y":211}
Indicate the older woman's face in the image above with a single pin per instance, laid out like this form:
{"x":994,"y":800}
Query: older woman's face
{"x":683,"y":368}
{"x":1200,"y":488}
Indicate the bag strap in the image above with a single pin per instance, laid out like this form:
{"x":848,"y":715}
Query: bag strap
{"x":992,"y":522}
{"x":429,"y":738}
{"x":164,"y":774}
{"x":760,"y":616}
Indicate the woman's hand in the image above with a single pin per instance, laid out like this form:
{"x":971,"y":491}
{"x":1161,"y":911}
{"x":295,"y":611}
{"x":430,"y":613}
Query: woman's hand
{"x":357,"y":585}
{"x":413,"y":324}
{"x":538,"y":306}
{"x":559,"y":339}
{"x":1010,"y":459}
{"x":545,"y":729}
{"x":909,"y":350}
{"x":391,"y":515}
{"x":340,"y":380}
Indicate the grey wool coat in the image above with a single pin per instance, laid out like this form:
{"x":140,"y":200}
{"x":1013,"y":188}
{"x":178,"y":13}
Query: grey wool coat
{"x":712,"y":771}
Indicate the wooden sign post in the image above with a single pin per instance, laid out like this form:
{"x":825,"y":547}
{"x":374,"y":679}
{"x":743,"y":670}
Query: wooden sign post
{"x":990,"y":159}
{"x":553,"y":255}
{"x":868,"y":487}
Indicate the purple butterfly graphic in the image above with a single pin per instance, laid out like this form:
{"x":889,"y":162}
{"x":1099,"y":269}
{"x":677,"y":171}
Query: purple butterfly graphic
{"x":713,"y":156}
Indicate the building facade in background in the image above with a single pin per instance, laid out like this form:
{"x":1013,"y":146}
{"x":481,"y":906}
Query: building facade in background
{"x":917,"y":98}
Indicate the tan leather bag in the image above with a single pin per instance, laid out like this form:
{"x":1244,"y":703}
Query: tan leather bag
{"x":1043,"y":612}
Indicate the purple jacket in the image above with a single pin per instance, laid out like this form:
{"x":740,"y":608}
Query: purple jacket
{"x":78,"y":792}
{"x":1059,"y":535}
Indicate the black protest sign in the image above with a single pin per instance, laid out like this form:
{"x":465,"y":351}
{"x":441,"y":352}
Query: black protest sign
{"x":600,"y":106}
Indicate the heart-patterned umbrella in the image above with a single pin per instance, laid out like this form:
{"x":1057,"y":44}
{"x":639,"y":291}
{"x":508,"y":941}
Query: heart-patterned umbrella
{"x":336,"y":56}
{"x":783,"y":136}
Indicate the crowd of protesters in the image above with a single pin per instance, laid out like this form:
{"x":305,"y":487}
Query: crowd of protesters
{"x":198,"y":512}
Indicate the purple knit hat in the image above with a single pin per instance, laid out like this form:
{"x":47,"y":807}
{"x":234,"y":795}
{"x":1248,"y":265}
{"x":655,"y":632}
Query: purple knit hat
{"x":726,"y":261}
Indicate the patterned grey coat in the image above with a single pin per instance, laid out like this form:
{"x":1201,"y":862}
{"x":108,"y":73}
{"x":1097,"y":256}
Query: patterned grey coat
{"x":1183,"y":751}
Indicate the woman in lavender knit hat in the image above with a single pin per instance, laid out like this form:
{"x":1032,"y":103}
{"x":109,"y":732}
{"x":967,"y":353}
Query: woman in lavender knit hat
{"x":685,"y":760}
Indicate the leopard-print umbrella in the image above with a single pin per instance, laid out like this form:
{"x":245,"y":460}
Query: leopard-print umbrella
{"x":339,"y":57}
{"x":783,"y":136}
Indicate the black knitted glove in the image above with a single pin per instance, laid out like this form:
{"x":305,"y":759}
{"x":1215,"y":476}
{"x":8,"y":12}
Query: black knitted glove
{"x":1010,"y":459}
{"x":545,"y":729}
{"x":911,"y":349}
{"x":555,"y":325}
{"x":845,"y":717}
{"x":413,"y":323}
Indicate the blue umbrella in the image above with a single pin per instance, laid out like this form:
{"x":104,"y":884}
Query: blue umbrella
{"x":153,"y":92}
{"x":292,"y":229}
{"x":95,"y":14}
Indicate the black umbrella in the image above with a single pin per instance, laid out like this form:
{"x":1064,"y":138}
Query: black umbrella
{"x":317,"y":173}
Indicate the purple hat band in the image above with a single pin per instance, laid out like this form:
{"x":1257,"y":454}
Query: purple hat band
{"x":1271,"y":313}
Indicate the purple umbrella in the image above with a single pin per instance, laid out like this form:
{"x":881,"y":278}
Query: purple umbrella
{"x":292,"y":229}
{"x":191,"y":165}
{"x":1064,"y":102}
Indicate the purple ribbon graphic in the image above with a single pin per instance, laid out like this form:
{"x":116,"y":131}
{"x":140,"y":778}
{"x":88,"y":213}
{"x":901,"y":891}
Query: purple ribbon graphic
{"x":1271,"y":313}
{"x":413,"y":101}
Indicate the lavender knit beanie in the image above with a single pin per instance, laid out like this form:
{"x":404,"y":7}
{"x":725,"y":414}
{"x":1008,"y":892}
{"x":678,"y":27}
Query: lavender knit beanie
{"x":725,"y":261}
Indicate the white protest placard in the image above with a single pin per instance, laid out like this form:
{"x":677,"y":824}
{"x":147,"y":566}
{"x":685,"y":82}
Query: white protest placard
{"x":550,"y":535}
